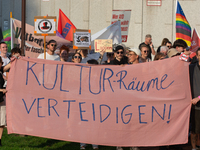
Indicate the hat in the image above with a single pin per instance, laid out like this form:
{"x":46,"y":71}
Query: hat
{"x":171,"y":52}
{"x":118,"y":47}
{"x":135,"y":50}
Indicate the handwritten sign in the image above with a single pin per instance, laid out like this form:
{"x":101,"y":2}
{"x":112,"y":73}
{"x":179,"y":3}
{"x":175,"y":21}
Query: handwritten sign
{"x":103,"y":44}
{"x":104,"y":105}
{"x":124,"y":17}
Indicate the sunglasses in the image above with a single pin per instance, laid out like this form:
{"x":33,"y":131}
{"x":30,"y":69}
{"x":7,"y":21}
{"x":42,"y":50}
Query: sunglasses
{"x":53,"y":45}
{"x":77,"y":57}
{"x":146,"y":51}
{"x":120,"y":52}
{"x":169,"y":46}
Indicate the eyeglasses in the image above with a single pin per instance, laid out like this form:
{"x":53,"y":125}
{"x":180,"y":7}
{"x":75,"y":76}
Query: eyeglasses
{"x":146,"y":51}
{"x":53,"y":45}
{"x":120,"y":52}
{"x":77,"y":57}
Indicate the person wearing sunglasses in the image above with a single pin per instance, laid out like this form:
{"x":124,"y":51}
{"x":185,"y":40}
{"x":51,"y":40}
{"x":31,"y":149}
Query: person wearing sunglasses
{"x":76,"y":58}
{"x":50,"y":55}
{"x":149,"y":44}
{"x":144,"y":54}
{"x":169,"y":44}
{"x":119,"y":59}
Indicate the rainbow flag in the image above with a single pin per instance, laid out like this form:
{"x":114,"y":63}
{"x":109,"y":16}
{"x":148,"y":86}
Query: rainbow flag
{"x":183,"y":29}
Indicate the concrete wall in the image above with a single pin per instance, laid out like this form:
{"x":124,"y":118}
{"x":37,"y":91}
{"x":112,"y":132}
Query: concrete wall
{"x":159,"y":21}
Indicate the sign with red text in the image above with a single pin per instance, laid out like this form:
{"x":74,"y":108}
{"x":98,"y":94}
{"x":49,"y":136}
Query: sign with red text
{"x":124,"y":17}
{"x":143,"y":104}
{"x":103,"y":44}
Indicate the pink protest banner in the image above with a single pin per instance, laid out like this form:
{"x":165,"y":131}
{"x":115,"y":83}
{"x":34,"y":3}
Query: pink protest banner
{"x":134,"y":105}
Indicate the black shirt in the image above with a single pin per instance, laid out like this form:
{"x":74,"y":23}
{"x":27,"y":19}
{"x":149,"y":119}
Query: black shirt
{"x":124,"y":60}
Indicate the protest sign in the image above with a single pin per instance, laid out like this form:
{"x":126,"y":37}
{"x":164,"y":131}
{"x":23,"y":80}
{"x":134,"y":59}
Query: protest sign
{"x":100,"y":104}
{"x":124,"y":17}
{"x":82,"y":39}
{"x":45,"y":25}
{"x":102,"y":44}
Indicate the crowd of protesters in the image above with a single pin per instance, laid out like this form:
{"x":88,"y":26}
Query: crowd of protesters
{"x":121,"y":55}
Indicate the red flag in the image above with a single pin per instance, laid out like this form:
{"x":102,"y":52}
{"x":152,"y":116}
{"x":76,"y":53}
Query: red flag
{"x":195,"y":44}
{"x":65,"y":26}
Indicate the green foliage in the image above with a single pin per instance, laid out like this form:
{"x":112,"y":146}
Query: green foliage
{"x":17,"y":142}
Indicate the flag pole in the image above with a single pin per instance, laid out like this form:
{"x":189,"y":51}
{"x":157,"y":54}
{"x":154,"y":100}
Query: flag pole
{"x":44,"y":44}
{"x":11,"y":30}
{"x":23,"y":26}
{"x":174,"y":37}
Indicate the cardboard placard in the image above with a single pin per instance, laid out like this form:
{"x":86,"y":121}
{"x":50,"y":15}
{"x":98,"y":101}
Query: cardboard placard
{"x":82,"y":39}
{"x":45,"y":25}
{"x":103,"y":44}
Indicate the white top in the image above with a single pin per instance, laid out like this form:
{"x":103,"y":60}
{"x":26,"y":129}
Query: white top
{"x":49,"y":57}
{"x":5,"y":62}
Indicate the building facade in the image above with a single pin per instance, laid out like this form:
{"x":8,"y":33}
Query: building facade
{"x":159,"y":21}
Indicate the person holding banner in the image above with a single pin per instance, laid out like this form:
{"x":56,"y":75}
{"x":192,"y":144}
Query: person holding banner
{"x":2,"y":97}
{"x":195,"y":112}
{"x":134,"y":55}
{"x":5,"y":59}
{"x":76,"y":58}
{"x":50,"y":55}
{"x":119,"y":59}
{"x":144,"y":54}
